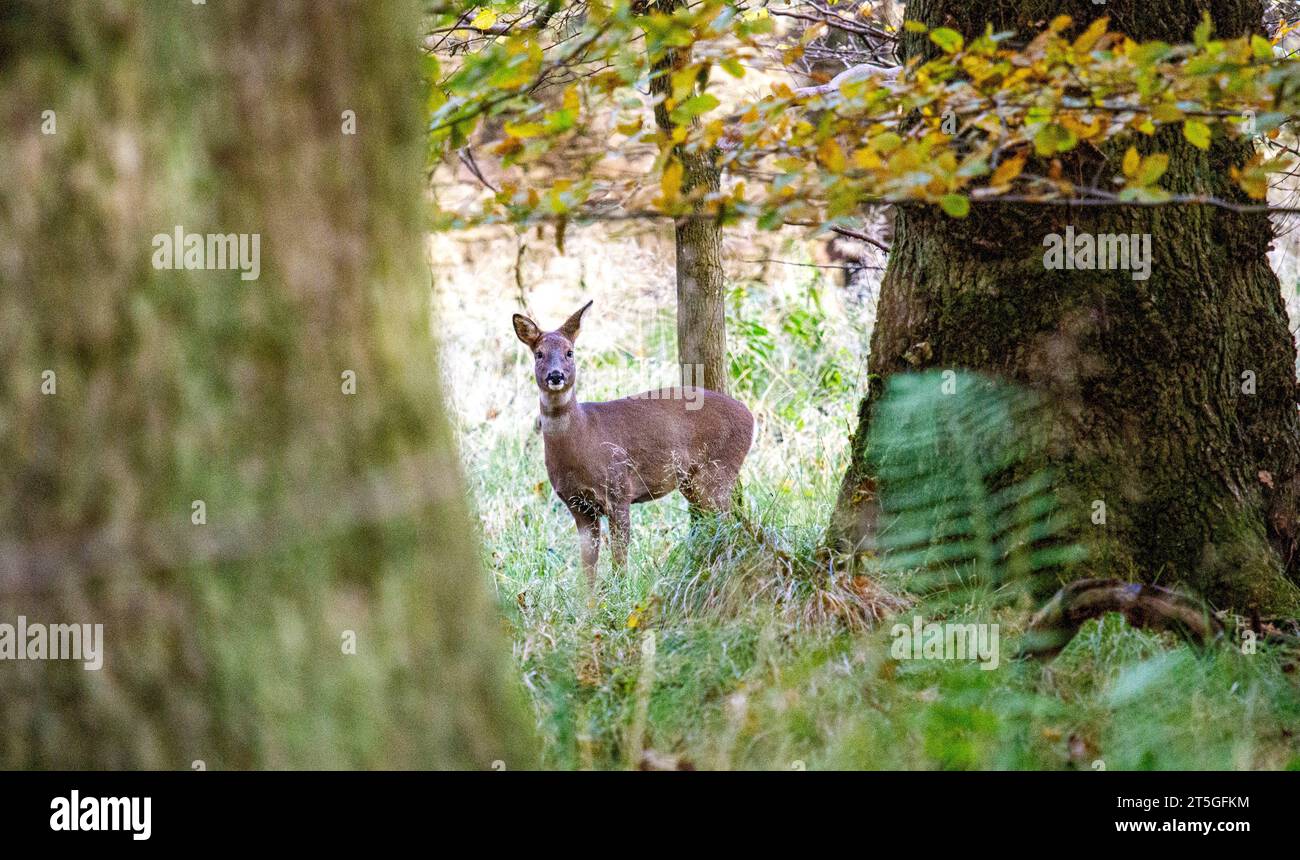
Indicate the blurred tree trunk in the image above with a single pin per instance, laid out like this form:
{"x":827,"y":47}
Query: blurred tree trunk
{"x":328,"y":609}
{"x":1154,"y":413}
{"x":701,"y":281}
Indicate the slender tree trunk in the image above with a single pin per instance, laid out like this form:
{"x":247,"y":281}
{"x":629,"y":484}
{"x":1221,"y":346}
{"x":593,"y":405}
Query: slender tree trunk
{"x":1174,"y":399}
{"x":701,"y":297}
{"x":701,"y":283}
{"x":251,"y":484}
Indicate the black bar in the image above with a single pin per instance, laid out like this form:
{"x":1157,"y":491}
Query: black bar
{"x":234,"y":810}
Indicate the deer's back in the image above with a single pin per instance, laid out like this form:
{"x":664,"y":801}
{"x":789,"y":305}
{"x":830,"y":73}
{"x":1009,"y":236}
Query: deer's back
{"x":697,"y":421}
{"x":643,"y":447}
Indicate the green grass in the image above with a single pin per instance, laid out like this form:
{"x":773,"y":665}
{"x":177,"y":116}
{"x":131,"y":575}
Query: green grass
{"x":747,"y":674}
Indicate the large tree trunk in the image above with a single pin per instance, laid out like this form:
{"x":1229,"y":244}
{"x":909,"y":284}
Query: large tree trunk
{"x":1144,"y":378}
{"x":325,"y":606}
{"x":701,"y":284}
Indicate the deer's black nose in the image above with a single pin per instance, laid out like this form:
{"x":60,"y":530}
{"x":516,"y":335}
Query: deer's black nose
{"x":555,"y":378}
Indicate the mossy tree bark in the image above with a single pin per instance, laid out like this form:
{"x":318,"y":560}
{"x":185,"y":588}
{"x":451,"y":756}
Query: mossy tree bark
{"x":325,"y":607}
{"x":1149,"y":382}
{"x":701,"y":281}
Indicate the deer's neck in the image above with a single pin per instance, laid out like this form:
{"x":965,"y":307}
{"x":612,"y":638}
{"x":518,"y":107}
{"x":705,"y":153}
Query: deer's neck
{"x":560,"y":412}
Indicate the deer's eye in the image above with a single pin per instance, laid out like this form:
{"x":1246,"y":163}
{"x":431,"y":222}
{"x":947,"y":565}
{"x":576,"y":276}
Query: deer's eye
{"x":569,"y":354}
{"x":539,"y":355}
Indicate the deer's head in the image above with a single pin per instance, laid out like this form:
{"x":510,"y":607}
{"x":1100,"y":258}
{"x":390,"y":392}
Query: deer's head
{"x":553,"y":365}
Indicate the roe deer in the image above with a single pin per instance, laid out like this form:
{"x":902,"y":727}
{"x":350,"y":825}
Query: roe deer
{"x":604,"y":457}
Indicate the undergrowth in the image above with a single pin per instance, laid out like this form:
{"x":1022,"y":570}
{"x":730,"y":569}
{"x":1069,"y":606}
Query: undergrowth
{"x":762,"y":658}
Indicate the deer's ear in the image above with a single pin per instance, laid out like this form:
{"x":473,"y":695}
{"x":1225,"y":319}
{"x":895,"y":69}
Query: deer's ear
{"x":526,"y":330}
{"x":573,"y":323}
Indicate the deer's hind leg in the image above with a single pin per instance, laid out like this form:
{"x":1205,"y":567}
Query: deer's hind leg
{"x":708,"y":487}
{"x":620,"y":532}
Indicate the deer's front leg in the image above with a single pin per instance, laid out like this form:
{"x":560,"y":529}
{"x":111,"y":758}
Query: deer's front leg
{"x":620,"y":532}
{"x":588,"y":543}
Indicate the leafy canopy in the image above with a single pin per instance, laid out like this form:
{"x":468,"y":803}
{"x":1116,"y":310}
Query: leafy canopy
{"x":561,"y":94}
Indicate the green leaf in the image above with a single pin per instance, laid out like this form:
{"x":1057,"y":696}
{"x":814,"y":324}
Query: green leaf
{"x":885,"y":142}
{"x":1153,"y":167}
{"x":949,"y":40}
{"x":1143,"y":195}
{"x":693,"y":107}
{"x":956,"y":205}
{"x":733,"y":67}
{"x":1203,"y":30}
{"x":1151,"y":53}
{"x":1052,"y":139}
{"x":1197,"y":133}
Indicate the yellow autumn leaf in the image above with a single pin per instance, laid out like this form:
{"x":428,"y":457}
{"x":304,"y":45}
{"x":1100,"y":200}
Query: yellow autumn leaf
{"x":484,"y":19}
{"x":1007,"y":171}
{"x":831,"y":155}
{"x":524,"y":129}
{"x":1166,"y":112}
{"x":1084,"y":43}
{"x":1081,"y":131}
{"x":1132,"y":161}
{"x":1153,"y":167}
{"x":713,"y":132}
{"x":866,"y":159}
{"x":671,"y":182}
{"x":1252,"y":181}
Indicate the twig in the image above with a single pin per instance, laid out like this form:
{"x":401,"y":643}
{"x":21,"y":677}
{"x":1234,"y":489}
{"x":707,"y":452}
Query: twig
{"x":813,"y":265}
{"x":467,"y":158}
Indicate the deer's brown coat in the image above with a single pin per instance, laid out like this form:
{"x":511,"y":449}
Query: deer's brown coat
{"x":604,"y":457}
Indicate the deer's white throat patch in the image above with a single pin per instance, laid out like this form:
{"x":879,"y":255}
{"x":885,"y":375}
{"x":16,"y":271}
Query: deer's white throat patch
{"x":558,"y":423}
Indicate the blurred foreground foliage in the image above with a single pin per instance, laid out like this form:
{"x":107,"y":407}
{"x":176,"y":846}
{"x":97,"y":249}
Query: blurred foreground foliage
{"x":966,"y":502}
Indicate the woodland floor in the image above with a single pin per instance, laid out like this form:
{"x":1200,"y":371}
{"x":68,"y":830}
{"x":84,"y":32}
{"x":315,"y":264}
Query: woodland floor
{"x":738,"y":679}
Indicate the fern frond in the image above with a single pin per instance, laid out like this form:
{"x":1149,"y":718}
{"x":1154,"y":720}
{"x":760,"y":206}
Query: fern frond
{"x":965,"y":501}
